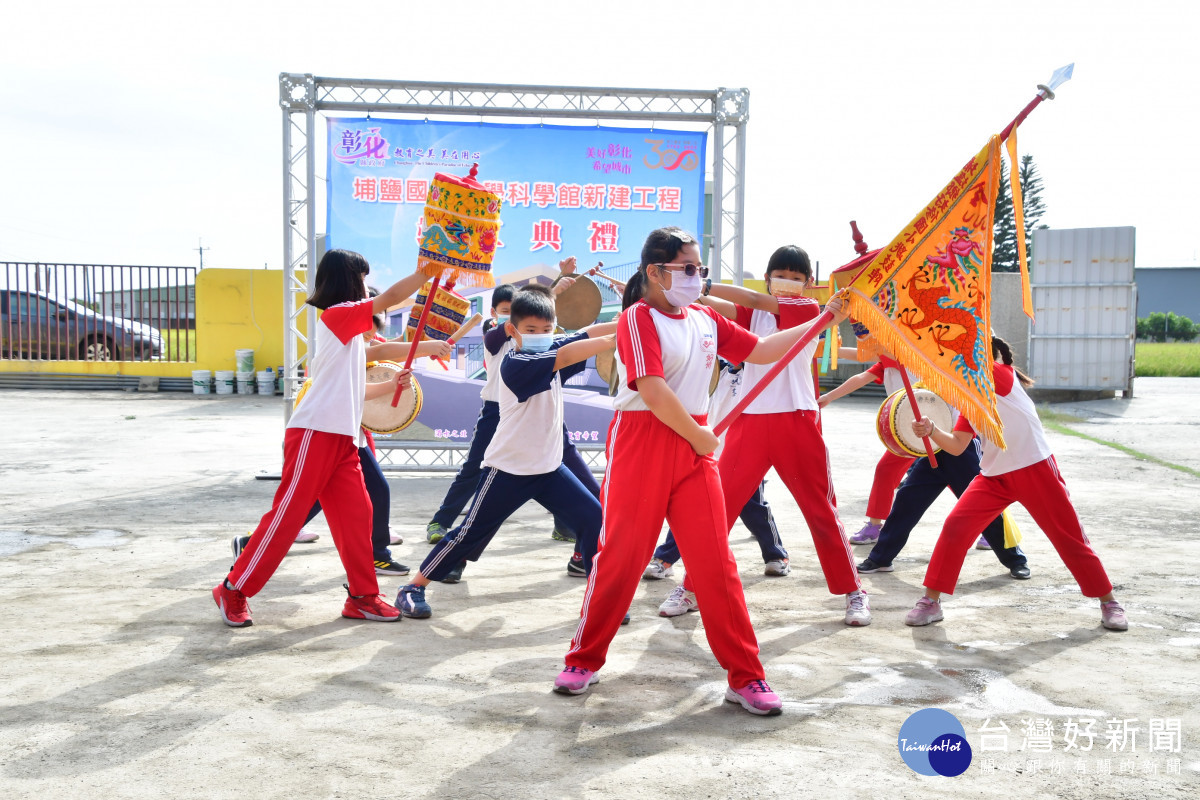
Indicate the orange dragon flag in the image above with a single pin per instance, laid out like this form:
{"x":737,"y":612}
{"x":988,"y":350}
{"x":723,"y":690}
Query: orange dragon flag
{"x":926,"y":297}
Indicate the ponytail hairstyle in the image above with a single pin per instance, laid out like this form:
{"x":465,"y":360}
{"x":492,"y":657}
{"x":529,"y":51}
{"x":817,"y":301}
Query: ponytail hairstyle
{"x":662,"y":245}
{"x":341,"y":278}
{"x":1001,"y":351}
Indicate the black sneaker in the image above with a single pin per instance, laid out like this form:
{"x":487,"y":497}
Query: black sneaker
{"x":455,"y":575}
{"x":386,"y":566}
{"x":239,"y":544}
{"x":575,"y":568}
{"x":1021,"y":573}
{"x":868,"y":566}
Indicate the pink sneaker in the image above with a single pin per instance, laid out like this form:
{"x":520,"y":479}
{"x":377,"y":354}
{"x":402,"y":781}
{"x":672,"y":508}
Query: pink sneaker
{"x":1112,"y":616}
{"x":757,"y":698}
{"x":924,"y":612}
{"x":867,"y":534}
{"x":575,"y":680}
{"x":305,"y":536}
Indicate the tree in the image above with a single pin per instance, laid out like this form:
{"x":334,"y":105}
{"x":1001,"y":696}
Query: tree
{"x":1004,"y":249}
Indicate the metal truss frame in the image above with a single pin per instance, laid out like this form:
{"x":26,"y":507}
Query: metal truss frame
{"x":302,"y":96}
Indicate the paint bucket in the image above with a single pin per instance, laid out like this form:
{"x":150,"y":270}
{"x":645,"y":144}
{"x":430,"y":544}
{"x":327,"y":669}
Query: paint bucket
{"x":244,"y":359}
{"x":245,"y":382}
{"x":225,"y":380}
{"x":266,"y":382}
{"x":201,"y":381}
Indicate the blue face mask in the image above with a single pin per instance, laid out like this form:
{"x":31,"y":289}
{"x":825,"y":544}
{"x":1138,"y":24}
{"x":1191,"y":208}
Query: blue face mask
{"x":536,"y":342}
{"x":501,"y":319}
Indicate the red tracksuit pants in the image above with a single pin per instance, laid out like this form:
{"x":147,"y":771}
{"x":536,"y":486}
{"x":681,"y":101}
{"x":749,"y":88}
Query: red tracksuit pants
{"x":790,"y":442}
{"x":316,"y":466}
{"x":653,"y":474}
{"x":888,"y":473}
{"x":1041,"y":489}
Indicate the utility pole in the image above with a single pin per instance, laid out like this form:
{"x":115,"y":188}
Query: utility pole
{"x":201,"y":250}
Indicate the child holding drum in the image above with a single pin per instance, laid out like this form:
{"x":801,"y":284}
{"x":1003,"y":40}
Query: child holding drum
{"x":320,"y":450}
{"x":1025,"y":472}
{"x":378,"y":348}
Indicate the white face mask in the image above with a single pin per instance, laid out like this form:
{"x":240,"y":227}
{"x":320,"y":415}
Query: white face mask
{"x":782,"y":287}
{"x":684,"y":290}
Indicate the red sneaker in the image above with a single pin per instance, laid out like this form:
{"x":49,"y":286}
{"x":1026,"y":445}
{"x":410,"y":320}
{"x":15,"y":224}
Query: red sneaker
{"x":235,"y":611}
{"x":371,"y":606}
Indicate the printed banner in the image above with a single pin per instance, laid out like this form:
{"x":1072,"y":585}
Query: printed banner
{"x":926,"y":297}
{"x":592,"y":192}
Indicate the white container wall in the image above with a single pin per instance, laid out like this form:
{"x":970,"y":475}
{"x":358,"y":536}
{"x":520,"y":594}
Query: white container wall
{"x":1085,"y":301}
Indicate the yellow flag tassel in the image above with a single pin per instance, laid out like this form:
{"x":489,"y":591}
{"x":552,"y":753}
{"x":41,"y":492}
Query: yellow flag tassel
{"x":1018,"y":199}
{"x":1012,"y":534}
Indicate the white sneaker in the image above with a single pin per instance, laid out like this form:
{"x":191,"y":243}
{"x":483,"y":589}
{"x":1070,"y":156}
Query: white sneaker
{"x":657,"y":570}
{"x":858,"y":609}
{"x":396,"y":538}
{"x":679,"y":601}
{"x":778,"y":568}
{"x":305,"y":536}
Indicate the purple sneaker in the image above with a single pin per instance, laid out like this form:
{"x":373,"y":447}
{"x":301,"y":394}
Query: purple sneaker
{"x":868,"y":534}
{"x":924,"y":612}
{"x":1112,"y":616}
{"x":575,"y":680}
{"x":757,"y":698}
{"x":982,"y":544}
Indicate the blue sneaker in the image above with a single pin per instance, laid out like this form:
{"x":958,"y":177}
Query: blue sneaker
{"x":411,"y":602}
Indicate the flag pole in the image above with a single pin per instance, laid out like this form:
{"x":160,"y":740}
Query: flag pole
{"x":412,"y":353}
{"x":1045,"y":92}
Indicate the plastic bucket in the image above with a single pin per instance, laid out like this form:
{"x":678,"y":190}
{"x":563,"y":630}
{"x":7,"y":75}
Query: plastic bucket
{"x":266,"y":382}
{"x":244,"y":359}
{"x":201,"y":381}
{"x":225,"y":381}
{"x":245,"y":383}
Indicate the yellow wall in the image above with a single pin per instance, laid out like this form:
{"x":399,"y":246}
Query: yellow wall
{"x":235,"y":309}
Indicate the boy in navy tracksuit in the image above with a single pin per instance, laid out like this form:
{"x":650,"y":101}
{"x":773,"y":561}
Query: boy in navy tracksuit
{"x":525,"y":458}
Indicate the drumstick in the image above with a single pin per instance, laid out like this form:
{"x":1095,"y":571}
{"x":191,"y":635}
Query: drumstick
{"x":463,"y":330}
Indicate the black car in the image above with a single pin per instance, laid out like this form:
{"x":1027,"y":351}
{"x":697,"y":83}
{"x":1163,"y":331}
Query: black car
{"x":34,"y":325}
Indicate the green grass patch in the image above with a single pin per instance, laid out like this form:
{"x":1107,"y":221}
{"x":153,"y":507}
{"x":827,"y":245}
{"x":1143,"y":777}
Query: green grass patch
{"x":1167,"y":360}
{"x":179,"y":344}
{"x":1059,"y":422}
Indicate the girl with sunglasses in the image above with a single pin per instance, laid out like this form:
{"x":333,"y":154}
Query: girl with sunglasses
{"x":660,"y":466}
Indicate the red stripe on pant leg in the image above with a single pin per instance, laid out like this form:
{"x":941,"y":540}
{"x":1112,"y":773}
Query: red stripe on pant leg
{"x":697,"y":507}
{"x":634,"y":507}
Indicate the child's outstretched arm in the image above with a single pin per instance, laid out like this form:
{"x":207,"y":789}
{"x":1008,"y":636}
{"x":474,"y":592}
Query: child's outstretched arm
{"x":772,"y":348}
{"x":953,"y":442}
{"x":742,"y":296}
{"x":725,"y":308}
{"x":665,"y":405}
{"x":852,"y":384}
{"x":583,"y":349}
{"x":388,"y":388}
{"x":399,"y":291}
{"x":398,"y":351}
{"x":600,"y":329}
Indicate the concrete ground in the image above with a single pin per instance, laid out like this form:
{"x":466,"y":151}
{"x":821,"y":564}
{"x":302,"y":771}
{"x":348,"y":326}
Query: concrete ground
{"x":118,"y":679}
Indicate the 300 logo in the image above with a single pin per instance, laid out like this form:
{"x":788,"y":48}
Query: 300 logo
{"x":669,"y":158}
